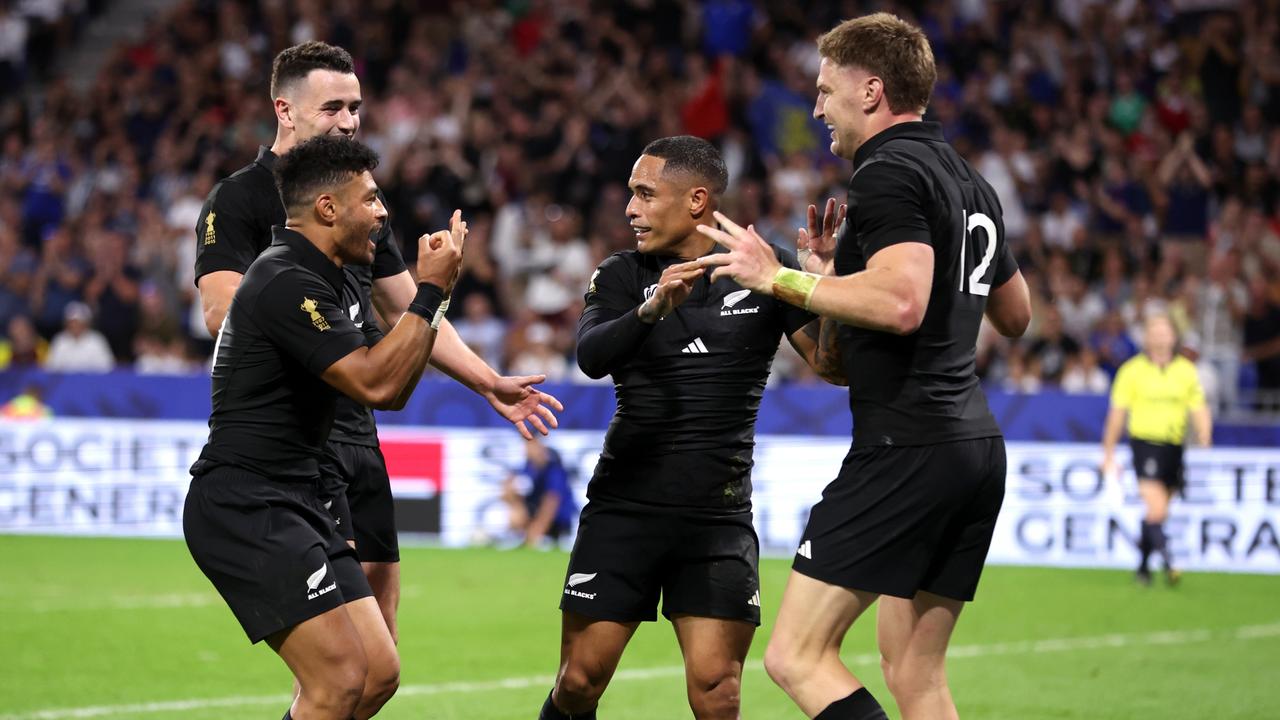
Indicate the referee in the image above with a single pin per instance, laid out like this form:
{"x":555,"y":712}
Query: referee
{"x":1156,"y":389}
{"x":921,"y":258}
{"x":254,"y":520}
{"x":315,"y":92}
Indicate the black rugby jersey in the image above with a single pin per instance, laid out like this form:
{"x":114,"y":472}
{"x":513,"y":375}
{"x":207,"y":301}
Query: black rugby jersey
{"x":687,"y":390}
{"x":285,"y":327}
{"x":909,"y":185}
{"x":235,"y":227}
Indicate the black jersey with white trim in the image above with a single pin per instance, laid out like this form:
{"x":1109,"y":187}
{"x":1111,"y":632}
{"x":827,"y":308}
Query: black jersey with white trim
{"x":910,"y":185}
{"x":684,"y":429}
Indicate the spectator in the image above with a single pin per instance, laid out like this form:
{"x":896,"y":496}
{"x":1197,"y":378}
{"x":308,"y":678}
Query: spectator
{"x":22,"y":348}
{"x":480,"y":329}
{"x":1083,"y":376}
{"x":1053,"y":347}
{"x":1262,"y":339}
{"x":79,"y":348}
{"x":538,"y":354}
{"x":540,"y":501}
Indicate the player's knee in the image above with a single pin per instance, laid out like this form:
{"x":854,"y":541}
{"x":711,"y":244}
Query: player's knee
{"x":715,"y":693}
{"x":382,"y":681}
{"x":784,"y":665}
{"x":581,"y":685}
{"x":912,"y":679}
{"x":340,"y":692}
{"x":886,"y":669}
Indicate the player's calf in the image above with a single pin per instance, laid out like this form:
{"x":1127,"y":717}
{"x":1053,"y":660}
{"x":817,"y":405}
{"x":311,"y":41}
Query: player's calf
{"x":920,"y":689}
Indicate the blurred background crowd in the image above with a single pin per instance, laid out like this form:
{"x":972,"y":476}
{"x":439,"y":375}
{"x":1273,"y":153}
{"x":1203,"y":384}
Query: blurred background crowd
{"x":1135,"y":147}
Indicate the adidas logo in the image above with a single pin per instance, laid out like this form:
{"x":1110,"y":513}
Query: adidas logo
{"x":696,"y":347}
{"x":806,"y":550}
{"x":755,"y":599}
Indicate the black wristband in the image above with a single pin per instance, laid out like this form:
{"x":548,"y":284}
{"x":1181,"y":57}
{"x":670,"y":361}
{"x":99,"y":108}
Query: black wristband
{"x":427,"y":301}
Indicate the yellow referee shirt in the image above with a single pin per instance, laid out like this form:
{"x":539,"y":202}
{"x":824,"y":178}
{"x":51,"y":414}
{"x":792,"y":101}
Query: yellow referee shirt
{"x":1158,"y":399}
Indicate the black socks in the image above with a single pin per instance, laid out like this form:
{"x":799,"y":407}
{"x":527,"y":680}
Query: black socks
{"x":858,"y":706}
{"x":551,"y":712}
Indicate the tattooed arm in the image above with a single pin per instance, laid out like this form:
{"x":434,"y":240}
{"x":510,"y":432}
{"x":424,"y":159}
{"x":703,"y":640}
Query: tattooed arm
{"x":817,"y":344}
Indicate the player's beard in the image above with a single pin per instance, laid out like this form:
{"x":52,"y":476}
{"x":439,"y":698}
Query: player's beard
{"x":357,"y":242}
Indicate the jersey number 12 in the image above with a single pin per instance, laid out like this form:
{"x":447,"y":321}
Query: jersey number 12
{"x":972,"y":283}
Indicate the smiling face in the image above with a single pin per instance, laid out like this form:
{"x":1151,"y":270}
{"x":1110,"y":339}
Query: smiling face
{"x":360,"y":215}
{"x":662,"y":208}
{"x":325,"y":102}
{"x":843,"y":96}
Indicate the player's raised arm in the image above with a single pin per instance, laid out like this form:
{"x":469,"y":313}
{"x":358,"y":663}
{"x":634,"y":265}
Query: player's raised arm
{"x":383,"y":376}
{"x":891,"y":295}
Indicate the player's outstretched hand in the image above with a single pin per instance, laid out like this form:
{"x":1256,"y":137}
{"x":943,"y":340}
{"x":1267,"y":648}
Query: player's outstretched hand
{"x":673,"y":288}
{"x":816,"y":246}
{"x":440,"y":254}
{"x":517,"y":400}
{"x":750,"y":261}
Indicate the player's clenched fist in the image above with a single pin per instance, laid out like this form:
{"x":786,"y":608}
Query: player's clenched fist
{"x":440,"y":254}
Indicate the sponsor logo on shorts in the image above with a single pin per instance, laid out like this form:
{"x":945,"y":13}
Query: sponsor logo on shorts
{"x":806,"y":550}
{"x":754,"y":599}
{"x":734,"y":298}
{"x":1150,"y":468}
{"x":314,"y":581}
{"x":577,"y":579}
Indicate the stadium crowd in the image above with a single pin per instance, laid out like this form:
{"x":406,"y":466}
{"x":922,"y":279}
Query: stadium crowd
{"x":1135,"y":147}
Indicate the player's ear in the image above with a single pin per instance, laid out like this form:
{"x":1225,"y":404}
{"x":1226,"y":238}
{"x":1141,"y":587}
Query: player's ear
{"x":284,"y":112}
{"x":873,"y":92}
{"x":699,"y":202}
{"x":326,"y":208}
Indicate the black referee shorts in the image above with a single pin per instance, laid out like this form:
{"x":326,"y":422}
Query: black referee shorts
{"x":897,"y":520}
{"x":624,"y":558}
{"x":356,"y":476}
{"x":1158,"y":461}
{"x":270,"y":549}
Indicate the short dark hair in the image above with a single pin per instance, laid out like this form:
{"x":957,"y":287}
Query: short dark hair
{"x":891,"y":49}
{"x":693,"y":155}
{"x":294,"y":63}
{"x":320,"y":164}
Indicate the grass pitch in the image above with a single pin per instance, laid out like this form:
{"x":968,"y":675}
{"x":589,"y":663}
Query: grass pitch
{"x":99,"y":628}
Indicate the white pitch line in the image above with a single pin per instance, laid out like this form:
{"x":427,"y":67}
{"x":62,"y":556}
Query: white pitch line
{"x":1028,"y":647}
{"x":115,"y":602}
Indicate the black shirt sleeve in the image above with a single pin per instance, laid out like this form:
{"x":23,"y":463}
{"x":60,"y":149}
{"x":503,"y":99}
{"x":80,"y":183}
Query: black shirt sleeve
{"x":302,"y":315}
{"x":225,"y":232}
{"x":609,"y":331}
{"x":387,"y":260}
{"x":888,"y":200}
{"x":1006,"y":266}
{"x":793,"y":318}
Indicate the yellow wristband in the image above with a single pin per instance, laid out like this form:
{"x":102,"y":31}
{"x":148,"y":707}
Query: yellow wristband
{"x":795,"y":287}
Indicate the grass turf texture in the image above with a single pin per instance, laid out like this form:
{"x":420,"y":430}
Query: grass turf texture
{"x":131,"y":629}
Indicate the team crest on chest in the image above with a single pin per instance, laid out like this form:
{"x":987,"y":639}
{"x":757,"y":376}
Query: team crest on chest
{"x":729,"y":309}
